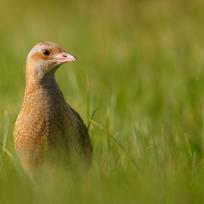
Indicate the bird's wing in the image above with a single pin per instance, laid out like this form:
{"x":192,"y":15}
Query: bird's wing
{"x":84,"y":135}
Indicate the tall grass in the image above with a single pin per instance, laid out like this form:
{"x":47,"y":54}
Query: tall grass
{"x":138,"y":83}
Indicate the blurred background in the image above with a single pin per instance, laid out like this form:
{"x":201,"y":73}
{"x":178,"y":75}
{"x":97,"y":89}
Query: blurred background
{"x":140,"y":66}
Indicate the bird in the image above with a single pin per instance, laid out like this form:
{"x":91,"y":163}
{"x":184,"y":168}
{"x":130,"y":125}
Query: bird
{"x":47,"y":127}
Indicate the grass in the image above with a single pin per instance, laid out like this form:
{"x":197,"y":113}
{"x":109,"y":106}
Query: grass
{"x":139,"y":83}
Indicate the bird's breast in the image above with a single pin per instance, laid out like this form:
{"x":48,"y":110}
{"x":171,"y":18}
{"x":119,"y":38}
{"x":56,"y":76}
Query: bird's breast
{"x":39,"y":122}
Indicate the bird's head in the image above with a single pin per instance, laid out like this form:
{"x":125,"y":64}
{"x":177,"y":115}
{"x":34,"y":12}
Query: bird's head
{"x":45,"y":57}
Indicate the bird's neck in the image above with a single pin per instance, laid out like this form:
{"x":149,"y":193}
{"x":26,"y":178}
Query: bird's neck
{"x":47,"y":83}
{"x":41,"y":90}
{"x":36,"y":81}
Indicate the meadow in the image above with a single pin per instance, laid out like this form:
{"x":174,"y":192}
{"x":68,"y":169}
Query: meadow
{"x":139,"y":73}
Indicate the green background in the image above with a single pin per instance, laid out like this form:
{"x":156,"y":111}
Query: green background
{"x":141,"y":65}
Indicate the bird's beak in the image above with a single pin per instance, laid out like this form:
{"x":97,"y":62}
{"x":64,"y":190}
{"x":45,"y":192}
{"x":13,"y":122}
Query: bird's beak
{"x":64,"y":57}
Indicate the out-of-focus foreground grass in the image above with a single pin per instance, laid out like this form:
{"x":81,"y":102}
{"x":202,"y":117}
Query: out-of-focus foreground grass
{"x":141,"y":65}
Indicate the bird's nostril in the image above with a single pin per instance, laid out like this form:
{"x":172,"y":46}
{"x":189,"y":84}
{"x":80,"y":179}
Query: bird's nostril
{"x":64,"y":55}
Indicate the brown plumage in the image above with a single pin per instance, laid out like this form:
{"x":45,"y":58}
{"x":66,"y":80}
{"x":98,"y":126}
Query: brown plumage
{"x":47,"y":128}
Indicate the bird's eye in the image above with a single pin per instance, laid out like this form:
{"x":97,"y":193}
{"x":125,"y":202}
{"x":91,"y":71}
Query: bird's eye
{"x":46,"y":52}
